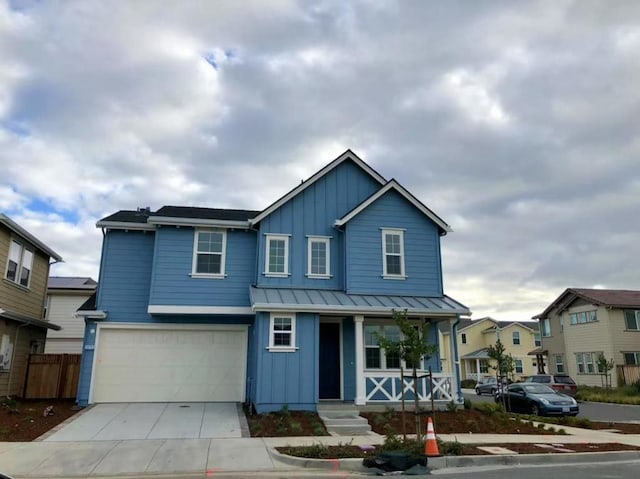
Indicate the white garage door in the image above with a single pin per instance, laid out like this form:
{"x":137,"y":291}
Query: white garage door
{"x":165,"y":365}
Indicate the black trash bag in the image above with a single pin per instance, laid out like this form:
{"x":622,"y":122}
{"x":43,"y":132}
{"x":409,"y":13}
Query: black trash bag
{"x":389,"y":461}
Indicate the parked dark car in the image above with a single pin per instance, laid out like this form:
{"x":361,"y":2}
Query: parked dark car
{"x":561,"y":383}
{"x":537,"y":399}
{"x":490,"y":385}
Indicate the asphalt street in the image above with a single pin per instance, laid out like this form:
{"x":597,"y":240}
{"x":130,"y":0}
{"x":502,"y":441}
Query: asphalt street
{"x":591,"y":410}
{"x":609,"y":470}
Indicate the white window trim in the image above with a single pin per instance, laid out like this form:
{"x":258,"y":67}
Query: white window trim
{"x":327,"y":241}
{"x":385,"y":274}
{"x":23,"y":248}
{"x":515,"y":335}
{"x":268,"y":238}
{"x":515,"y":365}
{"x":543,"y":330}
{"x":383,"y":353}
{"x":223,"y":259}
{"x":282,"y":349}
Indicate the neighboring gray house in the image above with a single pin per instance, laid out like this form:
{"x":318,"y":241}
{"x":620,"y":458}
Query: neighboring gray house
{"x":65,"y":295}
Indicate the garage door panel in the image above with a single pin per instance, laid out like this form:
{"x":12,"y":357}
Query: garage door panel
{"x":170,"y":365}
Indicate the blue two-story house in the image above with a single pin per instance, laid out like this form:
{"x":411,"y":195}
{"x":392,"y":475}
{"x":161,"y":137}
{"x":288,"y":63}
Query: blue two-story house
{"x":273,"y":307}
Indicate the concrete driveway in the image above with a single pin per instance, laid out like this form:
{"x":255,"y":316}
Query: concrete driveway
{"x":127,"y":421}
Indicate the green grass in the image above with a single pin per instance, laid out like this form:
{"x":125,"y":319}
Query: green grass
{"x":629,"y":394}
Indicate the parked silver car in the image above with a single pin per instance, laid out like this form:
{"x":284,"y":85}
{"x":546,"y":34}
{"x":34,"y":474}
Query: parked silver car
{"x":489,"y":385}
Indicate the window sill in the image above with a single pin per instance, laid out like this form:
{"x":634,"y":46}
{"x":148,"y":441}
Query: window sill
{"x":632,"y":330}
{"x":26,"y":289}
{"x":207,"y":275}
{"x":319,"y":276}
{"x":281,"y":349}
{"x":394,"y":276}
{"x":276,"y":275}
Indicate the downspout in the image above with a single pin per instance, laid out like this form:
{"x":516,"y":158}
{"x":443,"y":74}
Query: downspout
{"x":456,"y":359}
{"x":13,"y":357}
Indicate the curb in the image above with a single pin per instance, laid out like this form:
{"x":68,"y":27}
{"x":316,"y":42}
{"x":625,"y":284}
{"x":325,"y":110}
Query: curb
{"x":444,"y":462}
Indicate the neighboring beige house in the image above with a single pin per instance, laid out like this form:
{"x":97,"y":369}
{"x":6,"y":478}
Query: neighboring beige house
{"x":475,"y":336}
{"x":65,"y":295}
{"x":582,"y":323}
{"x":24,"y":266}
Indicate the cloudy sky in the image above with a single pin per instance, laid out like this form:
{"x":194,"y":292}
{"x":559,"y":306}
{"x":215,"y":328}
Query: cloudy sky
{"x":517,"y":122}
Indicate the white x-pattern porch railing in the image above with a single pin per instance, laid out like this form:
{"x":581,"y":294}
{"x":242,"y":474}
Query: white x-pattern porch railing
{"x":387,"y":384}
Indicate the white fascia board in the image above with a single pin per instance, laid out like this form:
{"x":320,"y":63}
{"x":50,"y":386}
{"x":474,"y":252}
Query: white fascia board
{"x":171,"y":309}
{"x":330,"y":309}
{"x":124,"y":225}
{"x":347,"y":155}
{"x":393,"y":184}
{"x":20,"y":231}
{"x":91,"y":314}
{"x":174,"y":221}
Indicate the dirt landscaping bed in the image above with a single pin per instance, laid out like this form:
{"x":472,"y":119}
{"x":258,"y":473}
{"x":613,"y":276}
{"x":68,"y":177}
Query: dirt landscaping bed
{"x":350,"y":451}
{"x":285,"y":423}
{"x":457,"y":422}
{"x":24,"y":420}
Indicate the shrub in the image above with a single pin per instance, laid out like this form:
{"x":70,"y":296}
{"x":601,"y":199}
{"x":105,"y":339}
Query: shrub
{"x":467,"y":403}
{"x":452,"y":406}
{"x":468,"y":383}
{"x":450,"y":448}
{"x":488,"y":408}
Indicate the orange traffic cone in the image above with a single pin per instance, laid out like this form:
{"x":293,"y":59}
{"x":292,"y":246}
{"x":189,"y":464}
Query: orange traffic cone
{"x":431,"y":445}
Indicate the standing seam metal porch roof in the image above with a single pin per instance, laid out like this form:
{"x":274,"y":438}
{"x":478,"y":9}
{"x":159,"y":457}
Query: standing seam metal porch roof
{"x":331,"y":301}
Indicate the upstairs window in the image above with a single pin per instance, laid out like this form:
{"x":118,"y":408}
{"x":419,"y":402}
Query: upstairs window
{"x":536,"y":340}
{"x":463,"y":338}
{"x":282,"y":332}
{"x":583,"y":317}
{"x":545,"y":328}
{"x":277,"y":255}
{"x":515,"y":337}
{"x":318,"y":248}
{"x":209,"y":253}
{"x":393,"y":253}
{"x":632,"y":319}
{"x":19,"y":264}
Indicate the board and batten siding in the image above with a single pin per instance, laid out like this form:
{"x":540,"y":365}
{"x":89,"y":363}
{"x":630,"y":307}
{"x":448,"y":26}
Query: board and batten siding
{"x":14,"y":297}
{"x":313,"y":212}
{"x":421,"y":249}
{"x":172,"y":283}
{"x":283,"y":377}
{"x":126,"y":275}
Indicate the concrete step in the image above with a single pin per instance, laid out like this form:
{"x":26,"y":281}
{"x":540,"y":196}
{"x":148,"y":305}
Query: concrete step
{"x":346,"y":420}
{"x":349,"y":430}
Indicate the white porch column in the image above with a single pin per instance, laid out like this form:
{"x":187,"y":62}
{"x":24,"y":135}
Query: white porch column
{"x":478,"y":369}
{"x":361,"y":392}
{"x":455,"y":358}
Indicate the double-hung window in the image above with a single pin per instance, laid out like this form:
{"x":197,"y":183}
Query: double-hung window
{"x":375,"y":356}
{"x":518,"y":366}
{"x":560,"y":363}
{"x":632,"y":319}
{"x":19,"y":264}
{"x":632,"y":359}
{"x":545,"y":327}
{"x":393,"y":253}
{"x":463,"y":338}
{"x":277,"y":255}
{"x":515,"y":337}
{"x":318,"y":257}
{"x":536,"y":340}
{"x":282,"y":332}
{"x":209,"y":253}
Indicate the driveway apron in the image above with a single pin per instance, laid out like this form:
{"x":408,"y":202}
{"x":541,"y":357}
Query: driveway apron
{"x":131,"y":421}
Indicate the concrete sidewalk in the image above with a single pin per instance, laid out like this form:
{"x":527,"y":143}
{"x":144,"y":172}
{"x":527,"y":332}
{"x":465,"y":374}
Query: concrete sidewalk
{"x":217,"y":456}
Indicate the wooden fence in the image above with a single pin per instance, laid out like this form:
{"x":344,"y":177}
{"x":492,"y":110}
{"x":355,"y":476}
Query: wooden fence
{"x":628,"y":374}
{"x":52,"y":376}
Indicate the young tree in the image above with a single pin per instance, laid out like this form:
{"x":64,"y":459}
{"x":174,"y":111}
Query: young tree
{"x":504,"y":364}
{"x":412,"y":347}
{"x":604,"y":367}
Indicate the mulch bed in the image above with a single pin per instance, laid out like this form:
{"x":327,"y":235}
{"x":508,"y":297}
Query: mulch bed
{"x":24,"y":420}
{"x":458,"y":422}
{"x":287,"y":423}
{"x":619,"y":427}
{"x":347,"y":451}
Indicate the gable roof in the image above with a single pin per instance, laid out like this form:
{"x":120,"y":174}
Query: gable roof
{"x":71,"y":282}
{"x":531,"y":325}
{"x":127,"y":219}
{"x":20,"y":231}
{"x":615,"y":298}
{"x":347,"y":155}
{"x":394,"y":185}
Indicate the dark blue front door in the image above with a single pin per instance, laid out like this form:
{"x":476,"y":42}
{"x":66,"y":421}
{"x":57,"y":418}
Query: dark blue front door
{"x":329,"y":360}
